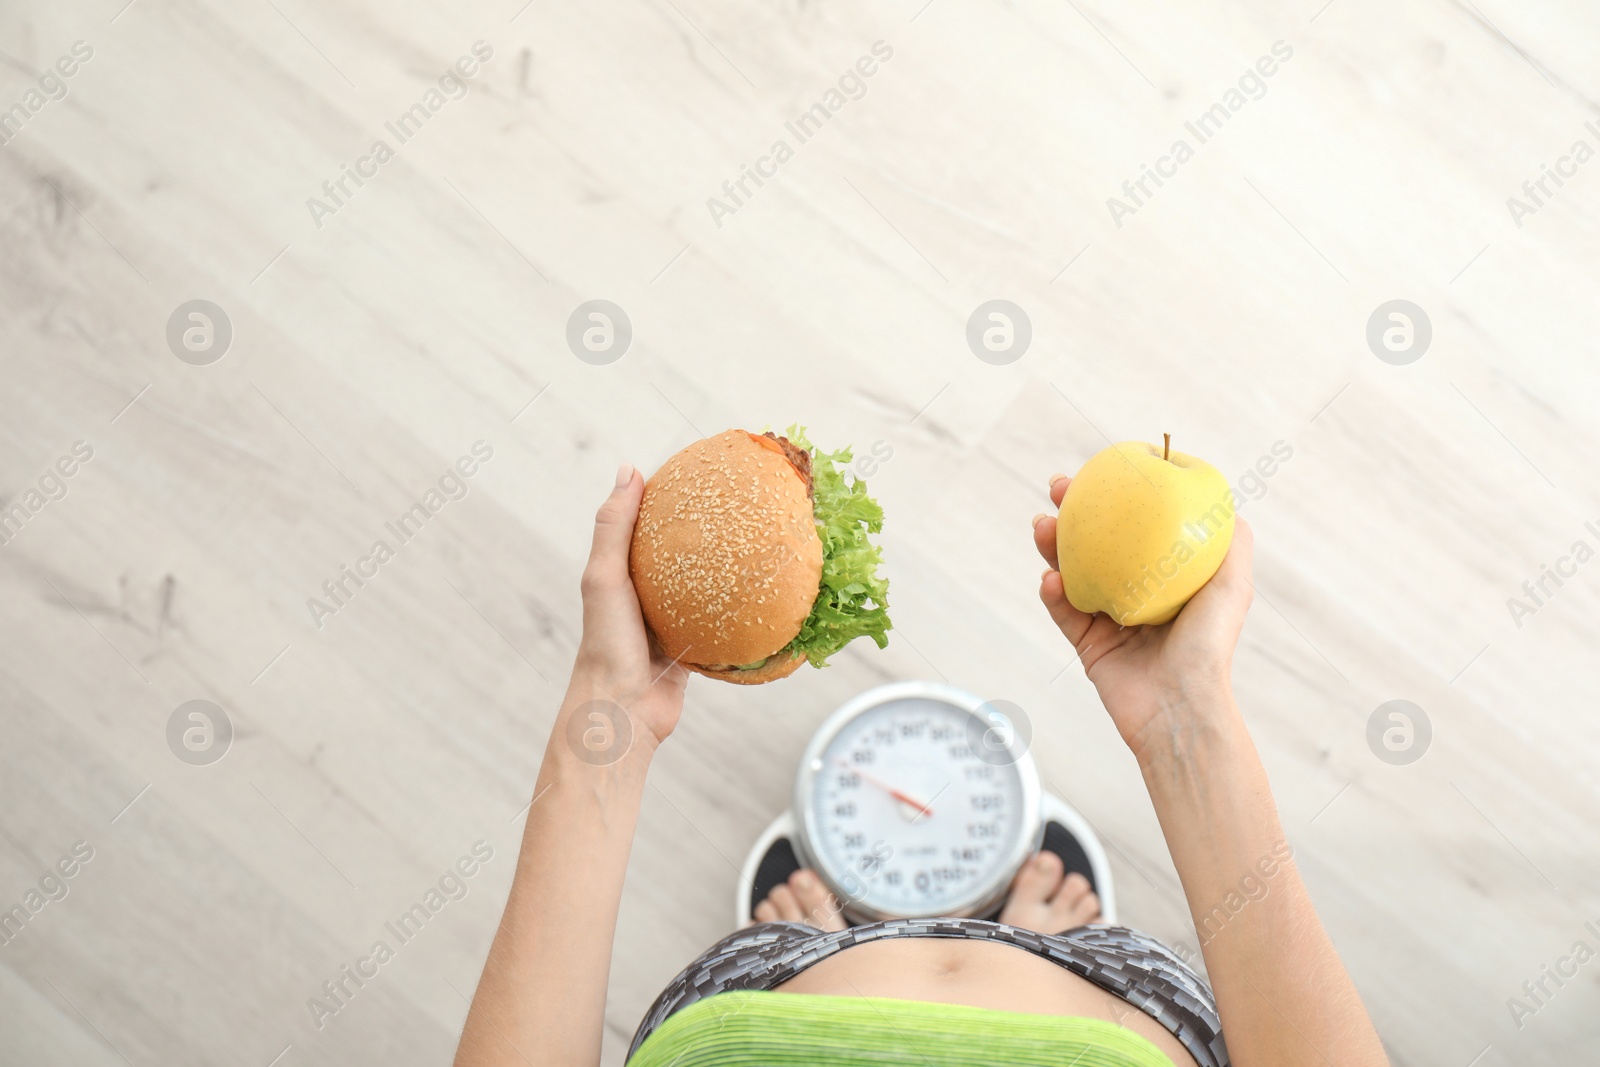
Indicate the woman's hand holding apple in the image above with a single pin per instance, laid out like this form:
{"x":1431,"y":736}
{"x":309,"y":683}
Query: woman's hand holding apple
{"x":1156,"y":681}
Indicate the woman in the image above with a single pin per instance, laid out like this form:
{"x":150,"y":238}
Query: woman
{"x":936,"y":991}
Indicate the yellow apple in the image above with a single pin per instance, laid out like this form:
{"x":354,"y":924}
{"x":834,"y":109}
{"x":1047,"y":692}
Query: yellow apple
{"x":1142,"y":528}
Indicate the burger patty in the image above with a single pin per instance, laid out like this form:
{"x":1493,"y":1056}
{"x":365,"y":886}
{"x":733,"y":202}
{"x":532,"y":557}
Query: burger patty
{"x":799,"y":459}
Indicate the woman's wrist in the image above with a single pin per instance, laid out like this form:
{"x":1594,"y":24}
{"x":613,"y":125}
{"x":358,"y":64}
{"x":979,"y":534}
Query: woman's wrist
{"x":595,"y":729}
{"x":1191,"y":724}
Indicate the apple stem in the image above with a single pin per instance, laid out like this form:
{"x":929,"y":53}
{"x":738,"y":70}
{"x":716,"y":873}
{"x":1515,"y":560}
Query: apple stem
{"x":1166,"y":446}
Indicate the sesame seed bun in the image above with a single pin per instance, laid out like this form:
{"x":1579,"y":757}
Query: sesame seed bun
{"x":726,"y":558}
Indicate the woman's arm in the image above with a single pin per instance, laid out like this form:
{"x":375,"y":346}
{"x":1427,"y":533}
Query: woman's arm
{"x":541,"y":999}
{"x":1283,"y":994}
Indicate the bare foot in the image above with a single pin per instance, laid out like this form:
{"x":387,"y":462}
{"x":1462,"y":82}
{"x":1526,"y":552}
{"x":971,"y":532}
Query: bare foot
{"x":1046,"y":903}
{"x":803,"y":899}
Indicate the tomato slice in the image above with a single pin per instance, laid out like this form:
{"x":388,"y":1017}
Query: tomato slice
{"x":773,"y":445}
{"x":767,"y":442}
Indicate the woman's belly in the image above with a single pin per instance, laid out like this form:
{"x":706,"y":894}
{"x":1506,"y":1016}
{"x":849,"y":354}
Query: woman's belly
{"x":983,"y":974}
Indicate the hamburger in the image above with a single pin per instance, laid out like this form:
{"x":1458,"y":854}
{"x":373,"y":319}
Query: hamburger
{"x":751,"y":557}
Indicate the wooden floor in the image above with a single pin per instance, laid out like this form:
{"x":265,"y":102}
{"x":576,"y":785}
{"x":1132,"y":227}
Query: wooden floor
{"x":377,"y":337}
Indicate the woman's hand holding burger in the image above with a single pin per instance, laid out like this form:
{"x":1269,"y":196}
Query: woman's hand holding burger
{"x":617,"y":661}
{"x":544,"y":984}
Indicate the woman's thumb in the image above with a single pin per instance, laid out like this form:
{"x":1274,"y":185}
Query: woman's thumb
{"x":613,"y":526}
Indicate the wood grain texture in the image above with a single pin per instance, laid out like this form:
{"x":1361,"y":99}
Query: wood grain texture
{"x":429,"y":311}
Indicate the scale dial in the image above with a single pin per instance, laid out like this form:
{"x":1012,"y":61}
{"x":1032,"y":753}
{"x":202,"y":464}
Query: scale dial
{"x":917,"y":800}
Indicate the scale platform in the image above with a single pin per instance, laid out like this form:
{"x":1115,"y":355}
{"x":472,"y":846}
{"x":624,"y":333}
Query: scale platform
{"x":1066,"y":833}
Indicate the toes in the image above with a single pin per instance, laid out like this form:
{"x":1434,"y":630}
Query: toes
{"x":820,"y":909}
{"x":1087,"y":910}
{"x":1073,"y":889}
{"x":1075,"y":904}
{"x":802,"y":899}
{"x":787,"y":904}
{"x":1041,"y":899}
{"x":1038,"y":879}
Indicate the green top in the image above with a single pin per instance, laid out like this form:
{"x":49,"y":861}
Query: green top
{"x":761,"y":1029}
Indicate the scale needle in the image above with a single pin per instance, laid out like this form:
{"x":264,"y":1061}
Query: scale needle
{"x":887,"y":788}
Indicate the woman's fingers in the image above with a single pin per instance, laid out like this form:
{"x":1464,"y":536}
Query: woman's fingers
{"x":1044,"y":538}
{"x":1231,"y":586}
{"x":1073,"y":623}
{"x":1235,"y":569}
{"x":1044,"y":525}
{"x":607,"y":569}
{"x":663,"y":665}
{"x":613,"y":628}
{"x":1218,"y":610}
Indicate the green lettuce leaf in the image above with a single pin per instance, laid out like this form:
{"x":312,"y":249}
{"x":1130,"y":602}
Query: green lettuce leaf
{"x":853,"y":601}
